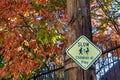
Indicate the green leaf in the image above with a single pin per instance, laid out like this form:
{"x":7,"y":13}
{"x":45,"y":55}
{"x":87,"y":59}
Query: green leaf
{"x":36,"y":6}
{"x":43,"y":24}
{"x":36,"y":25}
{"x":43,"y":36}
{"x":54,"y":35}
{"x":2,"y":62}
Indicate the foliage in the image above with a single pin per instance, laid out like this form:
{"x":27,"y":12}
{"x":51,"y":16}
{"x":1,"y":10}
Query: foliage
{"x":105,"y":22}
{"x":105,"y":18}
{"x":29,"y":35}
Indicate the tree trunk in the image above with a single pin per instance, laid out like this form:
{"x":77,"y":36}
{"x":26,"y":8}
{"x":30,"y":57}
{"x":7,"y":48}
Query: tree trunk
{"x":79,"y":24}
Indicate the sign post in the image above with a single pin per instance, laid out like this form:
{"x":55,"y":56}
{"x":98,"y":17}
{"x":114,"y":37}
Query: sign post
{"x":84,"y":52}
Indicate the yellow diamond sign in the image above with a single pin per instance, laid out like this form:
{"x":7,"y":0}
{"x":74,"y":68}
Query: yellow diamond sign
{"x":84,"y":52}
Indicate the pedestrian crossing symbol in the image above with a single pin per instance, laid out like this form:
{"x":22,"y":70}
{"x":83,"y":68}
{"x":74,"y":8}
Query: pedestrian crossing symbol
{"x":84,"y":52}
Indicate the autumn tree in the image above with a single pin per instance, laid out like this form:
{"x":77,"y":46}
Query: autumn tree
{"x":105,"y":22}
{"x":30,"y":35}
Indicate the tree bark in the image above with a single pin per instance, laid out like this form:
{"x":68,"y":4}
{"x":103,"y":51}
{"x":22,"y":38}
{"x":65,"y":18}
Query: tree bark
{"x":79,"y":24}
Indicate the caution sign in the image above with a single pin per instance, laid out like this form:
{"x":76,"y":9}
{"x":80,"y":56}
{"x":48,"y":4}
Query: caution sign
{"x":84,"y":52}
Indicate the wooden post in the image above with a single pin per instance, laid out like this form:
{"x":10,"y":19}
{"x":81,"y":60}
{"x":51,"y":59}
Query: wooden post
{"x":79,"y":24}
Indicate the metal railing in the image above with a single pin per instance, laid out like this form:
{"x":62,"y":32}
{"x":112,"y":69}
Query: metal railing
{"x":108,"y":65}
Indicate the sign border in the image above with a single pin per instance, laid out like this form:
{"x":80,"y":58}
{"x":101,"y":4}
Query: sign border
{"x":85,"y":68}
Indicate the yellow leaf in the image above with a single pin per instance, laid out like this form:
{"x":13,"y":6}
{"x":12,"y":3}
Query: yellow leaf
{"x":26,"y":14}
{"x":20,"y":48}
{"x":26,"y":43}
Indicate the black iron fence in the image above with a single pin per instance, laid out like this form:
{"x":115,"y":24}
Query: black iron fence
{"x":107,"y":66}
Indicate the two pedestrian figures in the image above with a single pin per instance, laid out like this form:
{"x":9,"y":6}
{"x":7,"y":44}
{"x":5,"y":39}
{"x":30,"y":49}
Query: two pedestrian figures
{"x":84,"y":49}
